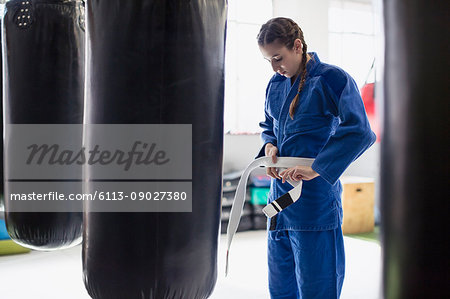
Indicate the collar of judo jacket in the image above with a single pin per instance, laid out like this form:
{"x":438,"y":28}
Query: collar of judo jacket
{"x":312,"y":64}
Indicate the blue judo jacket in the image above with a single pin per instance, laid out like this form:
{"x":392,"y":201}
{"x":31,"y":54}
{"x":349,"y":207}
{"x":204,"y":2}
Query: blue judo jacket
{"x":330,"y":124}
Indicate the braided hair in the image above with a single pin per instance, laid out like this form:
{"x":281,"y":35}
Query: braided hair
{"x":285,"y":31}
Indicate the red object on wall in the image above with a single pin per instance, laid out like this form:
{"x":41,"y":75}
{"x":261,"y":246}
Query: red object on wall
{"x":368,"y":96}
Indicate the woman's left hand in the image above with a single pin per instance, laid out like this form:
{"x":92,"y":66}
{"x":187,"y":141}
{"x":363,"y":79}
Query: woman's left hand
{"x":298,"y":173}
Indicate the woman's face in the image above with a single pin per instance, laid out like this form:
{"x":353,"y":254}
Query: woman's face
{"x":284,"y":61}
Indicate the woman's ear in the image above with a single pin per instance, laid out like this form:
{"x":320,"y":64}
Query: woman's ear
{"x":298,"y":46}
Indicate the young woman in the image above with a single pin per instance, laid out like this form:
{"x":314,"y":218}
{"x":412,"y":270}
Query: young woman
{"x":312,"y":110}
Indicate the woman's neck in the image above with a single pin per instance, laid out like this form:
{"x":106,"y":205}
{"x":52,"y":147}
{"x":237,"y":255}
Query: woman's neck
{"x":300,"y":70}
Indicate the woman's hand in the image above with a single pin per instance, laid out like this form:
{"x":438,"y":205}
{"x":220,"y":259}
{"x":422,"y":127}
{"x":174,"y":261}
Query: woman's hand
{"x":272,"y":151}
{"x":298,"y":173}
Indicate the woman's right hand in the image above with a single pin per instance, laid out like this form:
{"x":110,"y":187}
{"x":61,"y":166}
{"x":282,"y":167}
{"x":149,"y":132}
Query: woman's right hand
{"x":272,"y":151}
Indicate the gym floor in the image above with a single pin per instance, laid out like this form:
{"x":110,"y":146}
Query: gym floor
{"x":56,"y":275}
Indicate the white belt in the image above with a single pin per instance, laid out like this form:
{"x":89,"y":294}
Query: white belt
{"x":274,"y":207}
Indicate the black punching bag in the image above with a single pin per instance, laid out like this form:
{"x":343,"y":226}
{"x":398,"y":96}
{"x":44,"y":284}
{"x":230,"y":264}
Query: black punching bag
{"x":44,"y":84}
{"x":158,"y":62}
{"x":415,"y":157}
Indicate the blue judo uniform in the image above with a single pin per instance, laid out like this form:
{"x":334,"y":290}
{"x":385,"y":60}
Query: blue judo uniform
{"x":305,"y":243}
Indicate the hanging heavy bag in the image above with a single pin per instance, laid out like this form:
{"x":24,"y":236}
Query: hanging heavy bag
{"x":158,"y":62}
{"x":368,"y":97}
{"x":44,"y":84}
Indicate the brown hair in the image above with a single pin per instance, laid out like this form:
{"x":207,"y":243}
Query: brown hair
{"x":285,"y":31}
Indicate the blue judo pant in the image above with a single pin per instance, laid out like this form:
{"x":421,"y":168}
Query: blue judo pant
{"x":306,"y":264}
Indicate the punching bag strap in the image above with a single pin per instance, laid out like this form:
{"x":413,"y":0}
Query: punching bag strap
{"x":274,"y":207}
{"x":23,"y":18}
